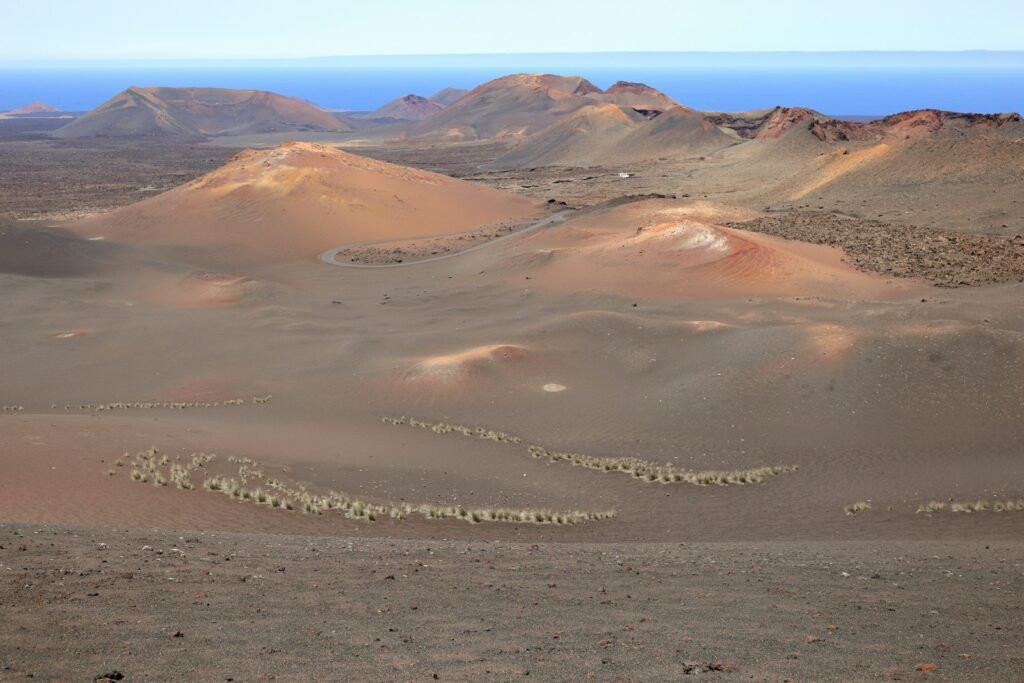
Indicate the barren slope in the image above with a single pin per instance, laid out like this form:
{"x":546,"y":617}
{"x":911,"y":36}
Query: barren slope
{"x":300,"y":198}
{"x":198,"y":111}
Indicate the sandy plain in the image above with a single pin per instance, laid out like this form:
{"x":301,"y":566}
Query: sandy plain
{"x":673,"y":335}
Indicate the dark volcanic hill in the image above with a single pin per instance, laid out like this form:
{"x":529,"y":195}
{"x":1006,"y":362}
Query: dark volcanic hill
{"x":199,"y":111}
{"x":778,"y":122}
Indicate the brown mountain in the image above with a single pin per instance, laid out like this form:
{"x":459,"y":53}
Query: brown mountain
{"x":910,"y":124}
{"x":770,"y":124}
{"x":777,"y":122}
{"x":516,"y":106}
{"x":408,"y":108}
{"x":299,"y":199}
{"x":609,"y":134}
{"x":34,"y":108}
{"x":199,"y":111}
{"x":640,"y":96}
{"x":944,"y":168}
{"x":448,"y":96}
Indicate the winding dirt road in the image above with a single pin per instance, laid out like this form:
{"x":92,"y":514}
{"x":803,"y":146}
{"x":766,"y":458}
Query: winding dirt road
{"x":330,"y":256}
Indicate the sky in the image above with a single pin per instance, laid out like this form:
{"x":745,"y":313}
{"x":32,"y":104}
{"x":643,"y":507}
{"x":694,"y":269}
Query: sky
{"x":68,"y":30}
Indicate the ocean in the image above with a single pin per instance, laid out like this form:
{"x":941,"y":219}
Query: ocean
{"x":853,"y":86}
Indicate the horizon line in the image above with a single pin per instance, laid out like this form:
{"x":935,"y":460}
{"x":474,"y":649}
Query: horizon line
{"x":71,"y":61}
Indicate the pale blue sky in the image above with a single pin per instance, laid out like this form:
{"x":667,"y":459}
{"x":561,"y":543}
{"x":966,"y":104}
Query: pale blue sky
{"x":216,"y":29}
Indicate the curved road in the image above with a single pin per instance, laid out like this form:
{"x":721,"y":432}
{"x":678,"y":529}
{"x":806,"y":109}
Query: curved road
{"x":330,"y":255}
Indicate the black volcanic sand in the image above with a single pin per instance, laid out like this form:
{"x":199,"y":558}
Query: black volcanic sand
{"x":157,"y":606}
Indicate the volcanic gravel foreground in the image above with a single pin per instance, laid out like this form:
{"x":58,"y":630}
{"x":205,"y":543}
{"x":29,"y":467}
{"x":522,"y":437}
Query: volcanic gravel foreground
{"x":155,"y":606}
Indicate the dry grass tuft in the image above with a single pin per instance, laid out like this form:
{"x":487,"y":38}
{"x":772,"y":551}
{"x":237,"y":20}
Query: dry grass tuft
{"x":150,"y":466}
{"x":663,"y":473}
{"x":146,"y":405}
{"x":446,"y":428}
{"x":854,"y":508}
{"x":973,"y":506}
{"x":644,"y":470}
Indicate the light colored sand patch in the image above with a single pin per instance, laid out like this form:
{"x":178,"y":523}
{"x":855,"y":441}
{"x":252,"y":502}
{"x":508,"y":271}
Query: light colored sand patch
{"x":71,"y":334}
{"x":685,"y":235}
{"x":708,"y":325}
{"x":711,"y":212}
{"x":830,"y":340}
{"x":553,"y":388}
{"x":215,"y":288}
{"x":839,"y":165}
{"x":460,"y":365}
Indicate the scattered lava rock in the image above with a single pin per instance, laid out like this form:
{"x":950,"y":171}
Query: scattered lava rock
{"x":946,"y":259}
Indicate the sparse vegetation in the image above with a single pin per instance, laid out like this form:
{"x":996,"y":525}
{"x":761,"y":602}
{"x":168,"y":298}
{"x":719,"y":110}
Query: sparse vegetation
{"x":644,"y":470}
{"x":148,"y":466}
{"x":973,"y":506}
{"x":662,"y":473}
{"x":446,"y":428}
{"x":932,"y":506}
{"x":145,"y":405}
{"x":855,"y":508}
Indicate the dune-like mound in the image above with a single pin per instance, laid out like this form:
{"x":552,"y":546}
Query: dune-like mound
{"x":300,"y":199}
{"x":214,"y":288}
{"x":199,"y":111}
{"x":408,"y":108}
{"x":666,"y":248}
{"x":459,"y":366}
{"x":36,"y":252}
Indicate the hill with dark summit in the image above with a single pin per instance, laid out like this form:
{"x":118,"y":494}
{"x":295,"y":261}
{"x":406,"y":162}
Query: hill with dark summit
{"x":770,"y":124}
{"x":408,"y":108}
{"x":778,"y":122}
{"x":639,"y":95}
{"x":910,"y":124}
{"x":516,"y":106}
{"x":199,"y":111}
{"x":508,"y":107}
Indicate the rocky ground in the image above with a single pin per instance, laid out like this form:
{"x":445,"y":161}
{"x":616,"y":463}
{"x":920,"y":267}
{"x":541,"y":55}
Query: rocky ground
{"x":81,"y":604}
{"x":943,"y":258}
{"x":59,"y":179}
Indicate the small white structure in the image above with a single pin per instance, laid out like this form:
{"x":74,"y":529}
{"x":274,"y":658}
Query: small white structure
{"x":624,"y":175}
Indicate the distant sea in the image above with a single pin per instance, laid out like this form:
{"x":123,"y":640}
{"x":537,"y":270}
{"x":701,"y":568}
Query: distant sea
{"x":857,"y":84}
